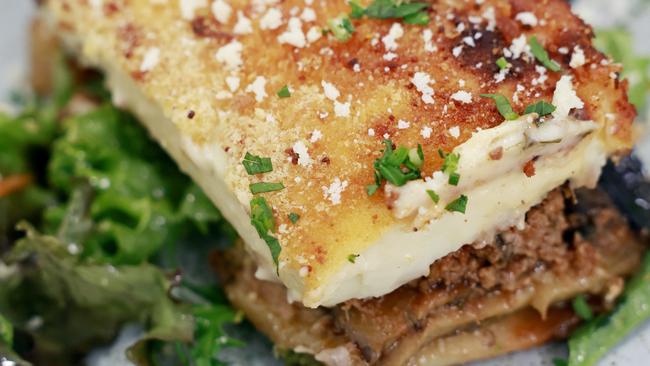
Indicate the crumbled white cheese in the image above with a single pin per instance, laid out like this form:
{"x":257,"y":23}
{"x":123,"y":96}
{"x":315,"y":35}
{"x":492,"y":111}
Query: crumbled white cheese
{"x":294,"y":34}
{"x":258,"y":87}
{"x":334,"y":191}
{"x":243,"y":25}
{"x":454,"y":132}
{"x":233,"y":83}
{"x":427,"y":37}
{"x":341,"y":109}
{"x":527,"y":18}
{"x":188,"y":7}
{"x":331,"y":92}
{"x":469,"y":41}
{"x":150,"y":60}
{"x":221,"y":11}
{"x":315,"y":136}
{"x":563,"y":50}
{"x":541,"y":79}
{"x":389,"y":56}
{"x":402,"y":124}
{"x":565,"y":97}
{"x":303,"y":154}
{"x":426,"y":132}
{"x":390,"y":40}
{"x":230,"y":55}
{"x":577,"y":58}
{"x":308,"y":15}
{"x":421,"y":80}
{"x":519,"y":46}
{"x":490,"y":15}
{"x":462,"y":96}
{"x":313,"y":34}
{"x":371,"y":132}
{"x":457,"y":50}
{"x":272,"y":19}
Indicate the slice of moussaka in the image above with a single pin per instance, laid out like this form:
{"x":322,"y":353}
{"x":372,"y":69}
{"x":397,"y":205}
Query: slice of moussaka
{"x":393,"y":165}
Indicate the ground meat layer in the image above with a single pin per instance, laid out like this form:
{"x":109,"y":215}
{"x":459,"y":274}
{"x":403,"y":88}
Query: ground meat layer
{"x":564,"y":249}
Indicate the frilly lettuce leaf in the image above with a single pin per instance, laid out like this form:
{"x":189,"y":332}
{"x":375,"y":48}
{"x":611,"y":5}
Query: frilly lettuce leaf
{"x":142,"y":201}
{"x":594,"y":339}
{"x":80,"y":304}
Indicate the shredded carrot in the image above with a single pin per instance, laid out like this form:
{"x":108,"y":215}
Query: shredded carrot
{"x":14,"y":184}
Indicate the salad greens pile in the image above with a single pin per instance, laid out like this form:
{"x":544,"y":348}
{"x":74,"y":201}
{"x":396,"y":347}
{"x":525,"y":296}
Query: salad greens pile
{"x":110,"y":213}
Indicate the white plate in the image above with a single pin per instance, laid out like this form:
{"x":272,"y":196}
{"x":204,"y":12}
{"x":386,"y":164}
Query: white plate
{"x":14,"y":21}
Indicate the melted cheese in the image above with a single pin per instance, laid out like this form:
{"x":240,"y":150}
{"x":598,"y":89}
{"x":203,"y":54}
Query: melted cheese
{"x":499,"y":193}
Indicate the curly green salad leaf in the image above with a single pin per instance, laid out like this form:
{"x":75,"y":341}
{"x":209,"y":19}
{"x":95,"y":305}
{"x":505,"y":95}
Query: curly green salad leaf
{"x":594,"y":339}
{"x":72,"y":304}
{"x":114,"y":207}
{"x":618,"y":44}
{"x":141,"y":201}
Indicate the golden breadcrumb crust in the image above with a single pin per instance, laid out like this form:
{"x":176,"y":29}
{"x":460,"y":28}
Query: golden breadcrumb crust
{"x":370,"y":72}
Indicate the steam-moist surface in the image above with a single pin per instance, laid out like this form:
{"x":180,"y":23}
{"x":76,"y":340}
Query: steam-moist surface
{"x":214,"y":78}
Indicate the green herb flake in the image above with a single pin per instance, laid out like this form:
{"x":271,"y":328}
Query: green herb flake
{"x":411,"y":13}
{"x":263,"y":187}
{"x":542,"y":56}
{"x":419,"y":18}
{"x":450,"y":164}
{"x":454,"y":178}
{"x":352,"y":258}
{"x":341,"y":27}
{"x":294,"y":217}
{"x":503,"y":106}
{"x":503,"y":63}
{"x":541,"y":108}
{"x":357,"y":10}
{"x":284,"y":92}
{"x":434,"y":196}
{"x":581,"y":307}
{"x":395,"y":166}
{"x":256,"y":165}
{"x":458,"y":205}
{"x":264,"y":222}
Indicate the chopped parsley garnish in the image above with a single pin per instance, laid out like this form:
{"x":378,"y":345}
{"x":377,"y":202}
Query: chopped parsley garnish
{"x":294,"y":217}
{"x":581,"y":307}
{"x":458,"y":205}
{"x":352,"y":258}
{"x":284,"y":92}
{"x":419,"y":18}
{"x":542,"y":56}
{"x":396,"y":166}
{"x":503,"y":63}
{"x":450,"y":165}
{"x":341,"y":27}
{"x":541,"y":108}
{"x":357,"y":10}
{"x":263,"y":221}
{"x":503,"y":106}
{"x":256,"y":165}
{"x":263,"y":187}
{"x":434,"y":196}
{"x":410,"y":13}
{"x":454,"y":178}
